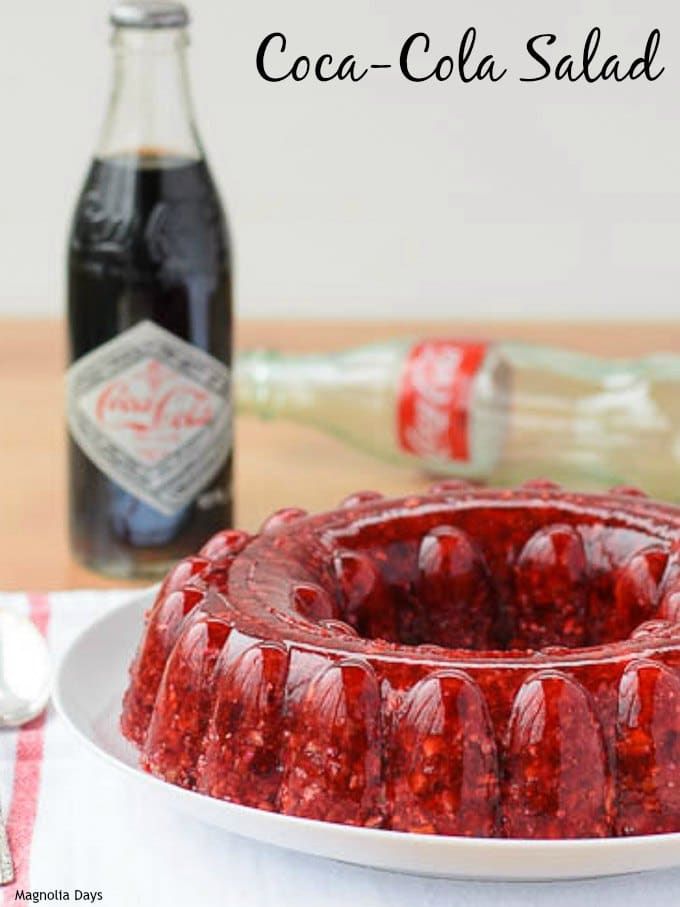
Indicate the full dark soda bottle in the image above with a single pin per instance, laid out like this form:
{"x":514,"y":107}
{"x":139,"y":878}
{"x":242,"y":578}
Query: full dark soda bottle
{"x":149,"y":313}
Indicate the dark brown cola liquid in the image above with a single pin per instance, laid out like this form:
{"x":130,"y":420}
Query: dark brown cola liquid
{"x":149,"y":242}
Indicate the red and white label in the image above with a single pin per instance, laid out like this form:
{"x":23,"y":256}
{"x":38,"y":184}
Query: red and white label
{"x":153,"y":413}
{"x":434,"y":399}
{"x":151,"y":409}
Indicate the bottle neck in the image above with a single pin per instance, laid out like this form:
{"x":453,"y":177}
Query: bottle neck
{"x":266,"y":383}
{"x":150,"y":111}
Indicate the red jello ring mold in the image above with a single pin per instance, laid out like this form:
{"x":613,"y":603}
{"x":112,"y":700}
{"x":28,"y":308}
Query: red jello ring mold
{"x":462,"y":662}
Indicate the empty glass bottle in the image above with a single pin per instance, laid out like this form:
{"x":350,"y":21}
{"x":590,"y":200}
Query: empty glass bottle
{"x":501,"y":412}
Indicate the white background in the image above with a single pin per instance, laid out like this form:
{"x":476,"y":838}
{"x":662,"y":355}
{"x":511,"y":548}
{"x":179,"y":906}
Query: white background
{"x":382,"y":198}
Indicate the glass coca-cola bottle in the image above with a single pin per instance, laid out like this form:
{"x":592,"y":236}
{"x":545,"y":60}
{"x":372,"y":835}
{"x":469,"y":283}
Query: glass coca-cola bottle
{"x":500,"y":412}
{"x":149,"y":313}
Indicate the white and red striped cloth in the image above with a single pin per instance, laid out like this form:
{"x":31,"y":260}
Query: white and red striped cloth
{"x":73,"y":826}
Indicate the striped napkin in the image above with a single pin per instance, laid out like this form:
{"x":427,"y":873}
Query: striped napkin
{"x":77,"y":836}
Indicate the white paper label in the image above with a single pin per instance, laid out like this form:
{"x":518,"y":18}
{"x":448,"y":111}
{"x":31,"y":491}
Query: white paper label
{"x":153,"y":413}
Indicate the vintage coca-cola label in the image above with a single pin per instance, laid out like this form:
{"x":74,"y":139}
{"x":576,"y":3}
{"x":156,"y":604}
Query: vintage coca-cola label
{"x":153,"y":413}
{"x":434,"y":398}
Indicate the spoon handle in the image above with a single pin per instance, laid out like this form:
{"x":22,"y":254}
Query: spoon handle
{"x":6,"y":863}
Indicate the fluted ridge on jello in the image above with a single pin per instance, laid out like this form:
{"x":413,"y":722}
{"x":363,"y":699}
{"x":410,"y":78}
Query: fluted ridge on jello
{"x":442,"y":763}
{"x":648,"y":749}
{"x":557,"y":780}
{"x":333,"y":765}
{"x":241,"y":749}
{"x":175,"y":735}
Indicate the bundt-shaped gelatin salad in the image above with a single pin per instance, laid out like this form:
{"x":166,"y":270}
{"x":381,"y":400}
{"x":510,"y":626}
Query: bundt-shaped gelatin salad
{"x":463,"y":662}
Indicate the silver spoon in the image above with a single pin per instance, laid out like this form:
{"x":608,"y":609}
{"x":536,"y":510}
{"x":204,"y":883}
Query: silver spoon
{"x":25,"y":680}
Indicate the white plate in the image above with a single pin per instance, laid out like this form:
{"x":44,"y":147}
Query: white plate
{"x":90,"y":683}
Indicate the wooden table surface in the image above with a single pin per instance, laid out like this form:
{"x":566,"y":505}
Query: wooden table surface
{"x":277,"y":464}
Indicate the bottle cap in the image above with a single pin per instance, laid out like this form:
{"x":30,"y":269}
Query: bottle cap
{"x":149,"y":14}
